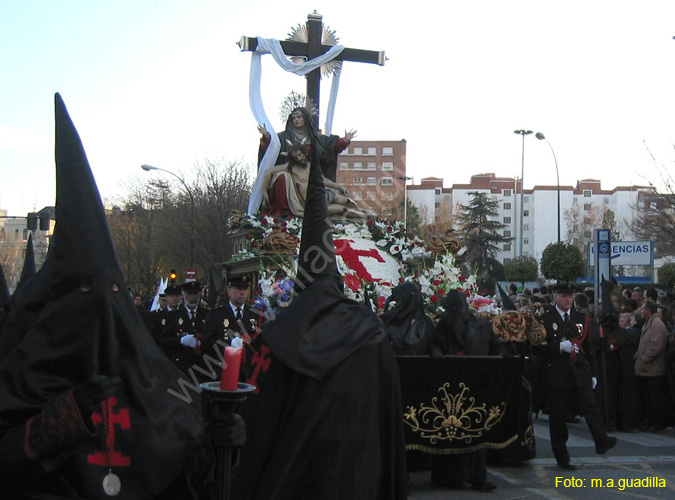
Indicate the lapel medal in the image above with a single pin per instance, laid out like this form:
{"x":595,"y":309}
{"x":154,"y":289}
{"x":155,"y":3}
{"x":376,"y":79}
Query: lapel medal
{"x":555,"y":326}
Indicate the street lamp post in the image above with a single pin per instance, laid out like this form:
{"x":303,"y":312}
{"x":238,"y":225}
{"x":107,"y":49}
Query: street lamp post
{"x":542,"y":137}
{"x":405,"y":180}
{"x":522,"y":188}
{"x":147,"y":168}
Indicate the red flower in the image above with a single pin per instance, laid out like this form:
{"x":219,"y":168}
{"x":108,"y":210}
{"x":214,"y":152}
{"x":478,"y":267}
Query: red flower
{"x":434,"y":298}
{"x":254,"y":244}
{"x":352,"y":281}
{"x":249,"y":236}
{"x":401,"y":279}
{"x":380,"y":302}
{"x":462,"y":279}
{"x":436,"y":282}
{"x":440,"y":291}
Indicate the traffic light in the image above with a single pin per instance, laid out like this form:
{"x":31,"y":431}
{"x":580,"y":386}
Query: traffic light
{"x":38,"y":220}
{"x":172,"y":276}
{"x":32,"y":221}
{"x":44,"y":221}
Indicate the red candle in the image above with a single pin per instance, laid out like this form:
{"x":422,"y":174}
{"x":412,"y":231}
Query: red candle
{"x":230,"y":378}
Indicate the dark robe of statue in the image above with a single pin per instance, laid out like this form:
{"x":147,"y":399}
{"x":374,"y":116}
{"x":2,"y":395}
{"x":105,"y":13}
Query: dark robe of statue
{"x":327,"y":147}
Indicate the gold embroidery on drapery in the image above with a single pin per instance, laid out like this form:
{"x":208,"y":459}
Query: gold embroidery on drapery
{"x":453,"y":417}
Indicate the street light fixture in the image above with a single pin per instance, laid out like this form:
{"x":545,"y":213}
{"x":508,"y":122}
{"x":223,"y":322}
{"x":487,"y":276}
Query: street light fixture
{"x":405,"y":180}
{"x":542,"y":137}
{"x":147,"y":168}
{"x":522,"y":188}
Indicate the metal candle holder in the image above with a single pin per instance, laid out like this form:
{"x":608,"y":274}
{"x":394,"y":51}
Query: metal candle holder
{"x":218,"y":405}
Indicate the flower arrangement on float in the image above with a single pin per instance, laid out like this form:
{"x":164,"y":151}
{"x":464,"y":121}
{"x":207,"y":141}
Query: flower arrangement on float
{"x":373,"y":257}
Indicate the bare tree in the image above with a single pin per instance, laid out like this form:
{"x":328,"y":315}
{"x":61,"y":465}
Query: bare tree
{"x":581,"y":220}
{"x":655,"y":209}
{"x":163,"y":224}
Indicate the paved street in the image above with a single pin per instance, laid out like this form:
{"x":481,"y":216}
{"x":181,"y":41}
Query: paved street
{"x":644,"y":457}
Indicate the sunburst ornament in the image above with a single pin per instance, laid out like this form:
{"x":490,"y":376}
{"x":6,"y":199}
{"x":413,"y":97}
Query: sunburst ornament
{"x":328,"y":37}
{"x":296,"y":100}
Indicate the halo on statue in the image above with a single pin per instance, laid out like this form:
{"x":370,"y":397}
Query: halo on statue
{"x":296,"y":100}
{"x":328,"y":37}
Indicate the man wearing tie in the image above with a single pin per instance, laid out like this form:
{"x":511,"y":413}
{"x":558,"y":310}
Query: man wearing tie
{"x":234,"y":319}
{"x":183,"y":328}
{"x":568,"y":374}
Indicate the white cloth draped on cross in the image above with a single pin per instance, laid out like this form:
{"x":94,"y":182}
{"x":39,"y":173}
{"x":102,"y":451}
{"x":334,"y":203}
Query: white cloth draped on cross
{"x":272,"y":46}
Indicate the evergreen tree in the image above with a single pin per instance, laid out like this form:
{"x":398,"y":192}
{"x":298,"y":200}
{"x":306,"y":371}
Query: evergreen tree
{"x":481,"y":233}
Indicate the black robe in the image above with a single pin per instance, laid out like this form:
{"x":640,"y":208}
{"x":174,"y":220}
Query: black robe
{"x":327,"y":421}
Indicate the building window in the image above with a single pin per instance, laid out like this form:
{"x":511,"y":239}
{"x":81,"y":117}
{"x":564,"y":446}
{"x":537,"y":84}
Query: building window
{"x":389,"y":196}
{"x":387,"y":165}
{"x":506,"y":192}
{"x":506,"y":248}
{"x":506,"y":259}
{"x":387,"y":181}
{"x":358,"y":180}
{"x":370,"y":195}
{"x":372,"y":151}
{"x":507,"y":220}
{"x":387,"y":151}
{"x":437,"y":191}
{"x":16,"y":234}
{"x":526,"y":241}
{"x":371,"y":165}
{"x":526,"y":199}
{"x":507,"y":233}
{"x":344,"y":165}
{"x":357,"y":165}
{"x":526,"y":227}
{"x":587,"y":206}
{"x":343,"y":180}
{"x":358,"y":151}
{"x":605,"y":201}
{"x":587,"y":193}
{"x":574,"y":200}
{"x":526,"y":213}
{"x":588,"y":234}
{"x":371,"y":181}
{"x":507,"y":206}
{"x":357,"y":195}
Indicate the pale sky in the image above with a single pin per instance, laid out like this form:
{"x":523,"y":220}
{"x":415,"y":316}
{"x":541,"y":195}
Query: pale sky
{"x":163,"y":82}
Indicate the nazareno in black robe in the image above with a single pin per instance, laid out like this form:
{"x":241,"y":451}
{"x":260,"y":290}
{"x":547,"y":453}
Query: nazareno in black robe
{"x":327,"y":420}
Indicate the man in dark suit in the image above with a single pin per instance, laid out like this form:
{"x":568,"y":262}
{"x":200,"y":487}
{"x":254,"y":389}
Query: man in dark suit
{"x":232,"y":320}
{"x":568,"y":374}
{"x":182,"y":330}
{"x":173,"y":296}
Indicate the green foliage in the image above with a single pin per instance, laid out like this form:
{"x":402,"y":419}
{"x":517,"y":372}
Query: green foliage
{"x":667,"y":274}
{"x":522,"y":269}
{"x":562,"y":261}
{"x":481,"y":233}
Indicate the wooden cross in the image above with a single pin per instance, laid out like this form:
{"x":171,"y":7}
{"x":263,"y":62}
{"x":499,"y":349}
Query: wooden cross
{"x":314,"y":48}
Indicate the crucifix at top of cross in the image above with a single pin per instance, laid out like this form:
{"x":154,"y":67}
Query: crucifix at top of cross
{"x":309,"y":51}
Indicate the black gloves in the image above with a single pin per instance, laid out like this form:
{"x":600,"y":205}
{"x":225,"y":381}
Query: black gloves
{"x":228,"y":433}
{"x":90,"y":393}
